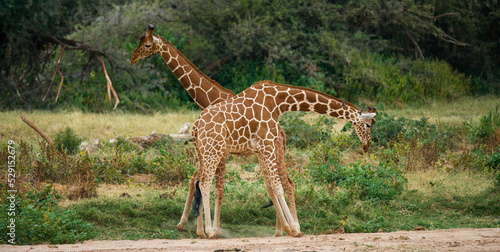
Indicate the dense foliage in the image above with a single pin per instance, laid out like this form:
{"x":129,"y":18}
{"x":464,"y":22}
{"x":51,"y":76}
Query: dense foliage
{"x":390,"y":51}
{"x":39,"y":220}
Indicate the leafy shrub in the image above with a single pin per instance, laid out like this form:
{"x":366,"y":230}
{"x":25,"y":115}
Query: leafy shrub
{"x":390,"y":129}
{"x":494,"y":161}
{"x":411,"y":154}
{"x":322,"y":158}
{"x":52,"y":164}
{"x":488,"y":129}
{"x":364,"y":181}
{"x":39,"y":220}
{"x":56,"y":166}
{"x":175,"y":163}
{"x":473,"y":159}
{"x":401,"y":79}
{"x":370,"y":183}
{"x":300,"y":134}
{"x":68,"y":140}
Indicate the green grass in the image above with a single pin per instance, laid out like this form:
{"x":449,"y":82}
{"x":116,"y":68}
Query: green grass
{"x":434,"y":199}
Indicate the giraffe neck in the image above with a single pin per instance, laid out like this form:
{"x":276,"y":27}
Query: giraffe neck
{"x":200,"y":87}
{"x":292,"y":98}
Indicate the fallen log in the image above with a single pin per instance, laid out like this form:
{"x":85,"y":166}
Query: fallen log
{"x":144,"y":142}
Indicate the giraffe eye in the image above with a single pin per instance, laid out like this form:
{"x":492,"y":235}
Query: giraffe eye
{"x":368,"y":125}
{"x":148,"y":46}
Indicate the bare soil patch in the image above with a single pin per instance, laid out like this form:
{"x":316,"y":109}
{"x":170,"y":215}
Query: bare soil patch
{"x":487,"y":239}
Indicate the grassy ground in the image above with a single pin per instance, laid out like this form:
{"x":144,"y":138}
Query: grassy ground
{"x":455,"y":190}
{"x":434,"y":199}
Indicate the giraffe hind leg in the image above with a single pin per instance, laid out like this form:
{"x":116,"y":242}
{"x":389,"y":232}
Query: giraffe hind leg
{"x":219,"y":194}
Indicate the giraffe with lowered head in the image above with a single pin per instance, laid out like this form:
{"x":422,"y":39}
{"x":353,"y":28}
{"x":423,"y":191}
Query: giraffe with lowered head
{"x":249,"y":122}
{"x":205,"y":92}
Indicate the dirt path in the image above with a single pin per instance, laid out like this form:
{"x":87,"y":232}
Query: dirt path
{"x":436,"y":240}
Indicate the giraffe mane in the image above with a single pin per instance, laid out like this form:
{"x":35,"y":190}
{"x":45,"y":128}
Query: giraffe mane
{"x":215,"y":83}
{"x":316,"y":92}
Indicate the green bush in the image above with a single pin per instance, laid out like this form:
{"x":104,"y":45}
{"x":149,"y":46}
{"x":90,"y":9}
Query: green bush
{"x":39,"y":220}
{"x":363,"y":181}
{"x":390,"y":129}
{"x":401,"y":79}
{"x":370,"y":183}
{"x":175,"y":163}
{"x":68,"y":140}
{"x":494,"y":161}
{"x":322,"y":158}
{"x":300,"y":134}
{"x":488,"y":128}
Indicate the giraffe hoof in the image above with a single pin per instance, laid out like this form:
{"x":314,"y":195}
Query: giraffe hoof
{"x":295,"y":234}
{"x":287,"y":229}
{"x":180,"y":228}
{"x":299,"y":234}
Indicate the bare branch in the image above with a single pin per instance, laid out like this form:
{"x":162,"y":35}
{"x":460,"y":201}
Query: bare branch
{"x":56,"y":71}
{"x":38,"y":130}
{"x":450,"y":39}
{"x":69,"y":44}
{"x":108,"y":81}
{"x":417,"y":48}
{"x":433,"y":17}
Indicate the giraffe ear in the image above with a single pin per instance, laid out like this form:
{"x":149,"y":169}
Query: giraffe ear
{"x":368,"y":115}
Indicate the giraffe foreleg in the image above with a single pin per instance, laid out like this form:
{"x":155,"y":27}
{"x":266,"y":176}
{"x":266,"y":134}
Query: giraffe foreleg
{"x":289,"y":187}
{"x":286,"y":181}
{"x":219,"y":193}
{"x":205,"y":185}
{"x":275,"y":189}
{"x":281,"y":223}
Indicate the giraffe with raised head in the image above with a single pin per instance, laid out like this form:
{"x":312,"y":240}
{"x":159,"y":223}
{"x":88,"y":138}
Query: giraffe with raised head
{"x":249,"y":122}
{"x":205,"y":92}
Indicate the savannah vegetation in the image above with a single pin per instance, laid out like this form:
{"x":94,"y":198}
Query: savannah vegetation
{"x":431,"y":69}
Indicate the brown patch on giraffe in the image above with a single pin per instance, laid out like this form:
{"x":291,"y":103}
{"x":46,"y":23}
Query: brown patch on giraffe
{"x":304,"y":106}
{"x":320,"y":108}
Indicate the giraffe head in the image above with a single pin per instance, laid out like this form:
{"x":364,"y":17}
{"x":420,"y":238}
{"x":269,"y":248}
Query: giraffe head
{"x":363,"y":127}
{"x":148,"y":45}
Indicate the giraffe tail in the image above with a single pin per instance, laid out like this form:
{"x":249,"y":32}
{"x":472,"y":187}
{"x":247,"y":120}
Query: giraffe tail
{"x":269,"y":204}
{"x":195,"y":211}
